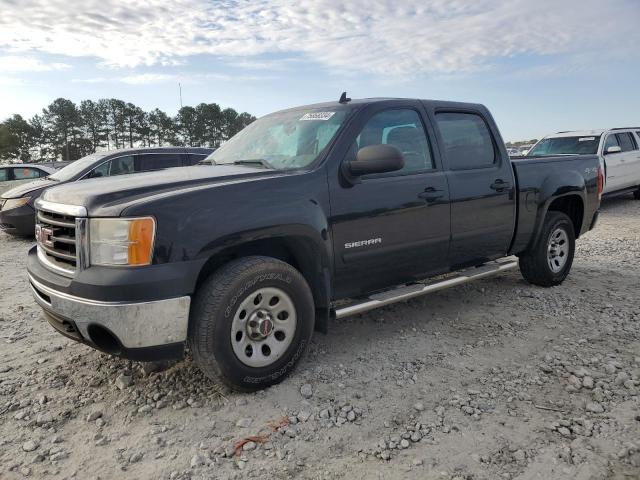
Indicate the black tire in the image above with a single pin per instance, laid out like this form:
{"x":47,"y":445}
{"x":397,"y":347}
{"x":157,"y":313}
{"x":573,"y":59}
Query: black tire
{"x":215,"y":306}
{"x":636,"y":194}
{"x":535,"y":263}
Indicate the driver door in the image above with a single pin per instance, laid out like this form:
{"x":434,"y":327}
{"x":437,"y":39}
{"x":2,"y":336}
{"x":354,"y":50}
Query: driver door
{"x":390,"y":228}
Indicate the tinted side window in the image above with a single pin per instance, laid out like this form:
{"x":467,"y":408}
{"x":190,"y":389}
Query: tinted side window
{"x":467,"y":140}
{"x":121,"y":166}
{"x":611,"y":141}
{"x":100,"y":171}
{"x":4,"y":174}
{"x":625,"y":141}
{"x":25,"y":173}
{"x":403,"y":129}
{"x":158,"y":161}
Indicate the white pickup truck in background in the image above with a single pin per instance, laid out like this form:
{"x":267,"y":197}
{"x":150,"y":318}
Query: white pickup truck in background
{"x":618,"y":149}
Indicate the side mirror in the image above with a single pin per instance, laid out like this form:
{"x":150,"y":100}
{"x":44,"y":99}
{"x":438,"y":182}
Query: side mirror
{"x":614,"y":149}
{"x":376,"y":159}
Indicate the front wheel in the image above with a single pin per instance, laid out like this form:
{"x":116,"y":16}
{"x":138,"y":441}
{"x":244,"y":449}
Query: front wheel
{"x":636,"y":194}
{"x":549,"y":261}
{"x":251,"y":322}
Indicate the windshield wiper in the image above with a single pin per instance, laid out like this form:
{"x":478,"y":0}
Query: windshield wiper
{"x":255,"y":161}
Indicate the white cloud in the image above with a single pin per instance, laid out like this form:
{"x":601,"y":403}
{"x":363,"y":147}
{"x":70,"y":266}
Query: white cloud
{"x":384,"y":37}
{"x":90,"y":80}
{"x":148,"y":78}
{"x":20,"y":64}
{"x":6,"y":81}
{"x":153,"y":78}
{"x":134,"y":79}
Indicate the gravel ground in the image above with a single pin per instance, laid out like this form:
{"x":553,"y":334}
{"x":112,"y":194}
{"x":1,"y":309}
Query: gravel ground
{"x":497,"y":379}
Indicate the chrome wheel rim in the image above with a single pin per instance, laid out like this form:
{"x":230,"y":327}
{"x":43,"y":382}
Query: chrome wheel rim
{"x":263,"y":327}
{"x":558,"y":250}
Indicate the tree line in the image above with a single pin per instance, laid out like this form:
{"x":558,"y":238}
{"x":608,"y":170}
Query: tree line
{"x":68,"y":131}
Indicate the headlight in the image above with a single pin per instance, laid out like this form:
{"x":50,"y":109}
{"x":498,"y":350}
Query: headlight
{"x":15,"y":203}
{"x":121,"y":241}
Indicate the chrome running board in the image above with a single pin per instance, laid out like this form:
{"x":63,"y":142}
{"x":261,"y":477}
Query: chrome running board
{"x":407,"y":292}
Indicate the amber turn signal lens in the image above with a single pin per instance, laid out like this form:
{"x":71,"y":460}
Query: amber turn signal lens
{"x":141,"y":233}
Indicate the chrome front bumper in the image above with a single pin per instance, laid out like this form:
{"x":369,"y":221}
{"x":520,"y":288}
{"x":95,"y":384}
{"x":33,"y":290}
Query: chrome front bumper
{"x":135,"y":325}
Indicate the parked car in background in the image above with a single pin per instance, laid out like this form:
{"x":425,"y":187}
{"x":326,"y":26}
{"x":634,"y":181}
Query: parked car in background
{"x":513,"y":151}
{"x":524,"y":149}
{"x":618,"y":149}
{"x":299,"y":212}
{"x":17,"y":214}
{"x":12,"y":175}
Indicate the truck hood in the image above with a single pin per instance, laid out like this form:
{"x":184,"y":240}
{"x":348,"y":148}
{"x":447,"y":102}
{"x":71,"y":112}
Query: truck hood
{"x":25,"y":188}
{"x":105,"y":194}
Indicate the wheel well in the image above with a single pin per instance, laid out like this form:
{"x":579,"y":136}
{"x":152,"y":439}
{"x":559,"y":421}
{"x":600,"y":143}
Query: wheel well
{"x":296,"y":251}
{"x":573,"y":207}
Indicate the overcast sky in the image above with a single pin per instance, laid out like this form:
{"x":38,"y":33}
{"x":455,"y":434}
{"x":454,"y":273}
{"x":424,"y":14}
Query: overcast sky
{"x":539,"y":65}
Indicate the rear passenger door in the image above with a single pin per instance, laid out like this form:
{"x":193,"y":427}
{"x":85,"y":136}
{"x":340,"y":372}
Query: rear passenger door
{"x":630,"y":164}
{"x":481,"y":186}
{"x":157,"y":161}
{"x":635,"y":166}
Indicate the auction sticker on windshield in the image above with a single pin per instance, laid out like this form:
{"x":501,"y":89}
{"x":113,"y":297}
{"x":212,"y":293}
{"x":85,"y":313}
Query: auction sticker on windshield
{"x":317,"y":116}
{"x":586,"y":139}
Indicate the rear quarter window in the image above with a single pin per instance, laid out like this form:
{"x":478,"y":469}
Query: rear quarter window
{"x":468,"y":143}
{"x":4,"y":174}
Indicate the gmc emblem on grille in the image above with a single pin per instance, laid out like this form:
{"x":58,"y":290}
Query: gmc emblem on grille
{"x":43,"y":236}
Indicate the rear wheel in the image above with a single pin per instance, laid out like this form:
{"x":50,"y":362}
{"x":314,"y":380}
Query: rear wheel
{"x":548,"y":263}
{"x":250,"y":322}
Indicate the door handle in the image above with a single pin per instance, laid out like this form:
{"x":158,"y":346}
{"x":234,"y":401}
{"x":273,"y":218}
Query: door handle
{"x":499,"y":185}
{"x":431,"y":194}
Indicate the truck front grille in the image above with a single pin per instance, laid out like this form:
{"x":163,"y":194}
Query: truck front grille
{"x":57,"y":243}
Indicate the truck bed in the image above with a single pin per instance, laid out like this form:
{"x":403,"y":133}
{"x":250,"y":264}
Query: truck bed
{"x":538,"y":179}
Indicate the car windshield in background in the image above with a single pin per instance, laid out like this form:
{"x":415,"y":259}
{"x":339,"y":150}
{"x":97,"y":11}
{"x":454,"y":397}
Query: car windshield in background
{"x":73,"y":169}
{"x":586,"y":145}
{"x":284,"y":140}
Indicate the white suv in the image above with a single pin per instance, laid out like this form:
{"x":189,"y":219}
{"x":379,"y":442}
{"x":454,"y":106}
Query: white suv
{"x":618,"y":149}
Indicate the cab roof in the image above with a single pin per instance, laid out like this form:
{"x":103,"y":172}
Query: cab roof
{"x":360,"y":102}
{"x":587,"y":133}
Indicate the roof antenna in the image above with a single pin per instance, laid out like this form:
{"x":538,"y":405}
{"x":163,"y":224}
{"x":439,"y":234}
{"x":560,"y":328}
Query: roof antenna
{"x":344,"y":98}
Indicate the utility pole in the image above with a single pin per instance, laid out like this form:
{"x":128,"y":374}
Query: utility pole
{"x":180,"y":89}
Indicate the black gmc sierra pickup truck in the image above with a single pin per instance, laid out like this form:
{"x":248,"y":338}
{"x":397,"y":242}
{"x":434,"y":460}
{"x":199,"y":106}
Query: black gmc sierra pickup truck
{"x":318,"y":211}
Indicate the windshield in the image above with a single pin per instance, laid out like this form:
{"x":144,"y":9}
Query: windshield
{"x":74,"y":168}
{"x":283,"y":140}
{"x":587,"y":145}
